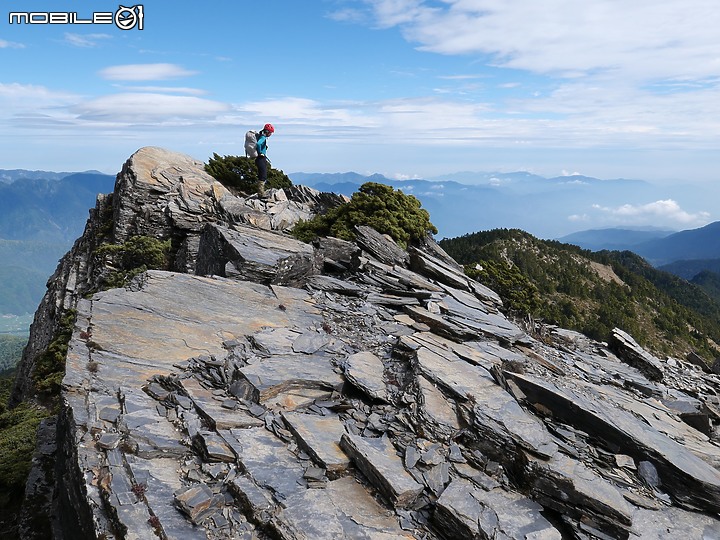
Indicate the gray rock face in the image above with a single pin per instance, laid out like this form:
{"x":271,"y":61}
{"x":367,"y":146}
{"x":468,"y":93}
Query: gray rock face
{"x":253,"y":254}
{"x":266,"y":388}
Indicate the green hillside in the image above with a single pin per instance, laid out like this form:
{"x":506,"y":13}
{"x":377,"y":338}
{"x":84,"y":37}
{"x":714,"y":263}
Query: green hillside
{"x":592,"y":292}
{"x":11,"y":348}
{"x":710,"y":282}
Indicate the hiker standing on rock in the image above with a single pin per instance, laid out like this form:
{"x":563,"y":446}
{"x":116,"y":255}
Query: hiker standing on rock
{"x":261,"y":160}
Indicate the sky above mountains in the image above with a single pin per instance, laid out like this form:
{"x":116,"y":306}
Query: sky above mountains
{"x":406,"y":88}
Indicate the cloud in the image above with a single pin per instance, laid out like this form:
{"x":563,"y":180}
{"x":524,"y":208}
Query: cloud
{"x":606,"y":73}
{"x":165,"y":89}
{"x":145,"y":72}
{"x":348,"y":15}
{"x":645,"y":38}
{"x":313,"y":115}
{"x":661,"y":212}
{"x":10,"y":45}
{"x":16,"y":94}
{"x":84,"y":40}
{"x":578,"y":218}
{"x":143,"y":108}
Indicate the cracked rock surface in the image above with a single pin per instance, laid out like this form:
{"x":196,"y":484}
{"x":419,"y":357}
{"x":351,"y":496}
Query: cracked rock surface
{"x":270,"y":389}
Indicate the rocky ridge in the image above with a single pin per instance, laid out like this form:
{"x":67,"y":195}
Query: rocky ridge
{"x":267,"y":388}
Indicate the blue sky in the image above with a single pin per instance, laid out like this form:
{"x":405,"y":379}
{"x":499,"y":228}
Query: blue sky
{"x":407,"y":88}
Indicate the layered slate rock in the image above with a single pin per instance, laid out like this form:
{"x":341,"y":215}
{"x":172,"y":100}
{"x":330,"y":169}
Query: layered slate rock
{"x":683,"y":475}
{"x":466,"y":511}
{"x":319,"y":436}
{"x":628,"y":349}
{"x":365,"y":371}
{"x":252,"y":254}
{"x":265,"y":388}
{"x":378,"y":460}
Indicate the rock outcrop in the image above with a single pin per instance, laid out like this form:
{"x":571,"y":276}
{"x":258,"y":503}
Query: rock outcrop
{"x":266,"y":388}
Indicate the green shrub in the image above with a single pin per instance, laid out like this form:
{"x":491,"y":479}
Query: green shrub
{"x":240,"y":172}
{"x":376,"y":205}
{"x":18,"y":428}
{"x":138,"y":254}
{"x":49,"y":367}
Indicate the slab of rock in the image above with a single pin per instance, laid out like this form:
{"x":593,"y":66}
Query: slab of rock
{"x":632,"y":353}
{"x":439,"y":324}
{"x":189,"y":315}
{"x":213,"y":447}
{"x":337,"y":252}
{"x":320,"y":436}
{"x":673,"y":522}
{"x":280,"y":374}
{"x":213,"y":411}
{"x":477,"y":353}
{"x":153,"y":435}
{"x":574,"y":490}
{"x":480,"y":319}
{"x":344,"y":509}
{"x":380,"y":246}
{"x":365,"y":371}
{"x":378,"y":460}
{"x":310,"y":342}
{"x":332,"y":284}
{"x":274,"y":341}
{"x":257,"y":502}
{"x":252,"y":254}
{"x":451,"y":372}
{"x":392,"y":300}
{"x":430,"y":266}
{"x":267,"y":460}
{"x":436,"y":412}
{"x":466,"y":511}
{"x":162,"y":481}
{"x":198,"y":502}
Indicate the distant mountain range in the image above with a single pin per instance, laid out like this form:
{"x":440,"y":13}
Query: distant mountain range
{"x":614,"y":238}
{"x":41,"y":215}
{"x":8,"y":176}
{"x":467,"y":202}
{"x":547,"y":208}
{"x":49,"y":209}
{"x":684,"y":253}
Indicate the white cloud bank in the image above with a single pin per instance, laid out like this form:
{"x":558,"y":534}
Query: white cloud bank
{"x":643,"y":74}
{"x":142,"y":108}
{"x":642,"y":39}
{"x":665,"y":212}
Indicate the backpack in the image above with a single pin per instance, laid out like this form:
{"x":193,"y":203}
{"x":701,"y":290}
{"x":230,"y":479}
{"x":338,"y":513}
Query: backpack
{"x":251,"y":144}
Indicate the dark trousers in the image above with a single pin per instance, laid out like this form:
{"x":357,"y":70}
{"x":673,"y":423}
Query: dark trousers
{"x":262,"y":167}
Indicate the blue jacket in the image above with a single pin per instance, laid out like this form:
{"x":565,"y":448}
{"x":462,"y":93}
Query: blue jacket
{"x":262,"y":145}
